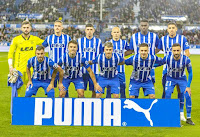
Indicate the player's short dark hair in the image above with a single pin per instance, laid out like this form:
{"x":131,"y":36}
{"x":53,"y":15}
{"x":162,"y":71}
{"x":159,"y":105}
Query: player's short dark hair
{"x":89,"y":25}
{"x":144,"y":20}
{"x":108,"y":44}
{"x":73,"y":41}
{"x":176,"y":45}
{"x":172,"y":23}
{"x":143,"y":45}
{"x":58,"y":21}
{"x":40,"y":48}
{"x":26,"y":22}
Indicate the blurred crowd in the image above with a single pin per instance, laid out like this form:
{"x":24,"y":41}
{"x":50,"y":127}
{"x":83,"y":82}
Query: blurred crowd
{"x":114,"y":11}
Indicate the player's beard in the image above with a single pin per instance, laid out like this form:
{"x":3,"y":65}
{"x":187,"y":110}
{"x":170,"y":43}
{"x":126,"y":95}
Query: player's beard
{"x":26,"y":33}
{"x":176,"y":56}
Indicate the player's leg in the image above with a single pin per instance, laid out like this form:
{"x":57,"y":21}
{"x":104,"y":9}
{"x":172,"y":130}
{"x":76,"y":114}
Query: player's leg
{"x":122,"y":81}
{"x":181,"y":98}
{"x":114,"y":86}
{"x":45,"y":85}
{"x":32,"y":90}
{"x":169,"y":87}
{"x":134,"y":88}
{"x":66,"y":82}
{"x":163,"y":84}
{"x":108,"y":93}
{"x":148,"y":89}
{"x":91,"y":85}
{"x":23,"y":87}
{"x":182,"y":85}
{"x":79,"y":85}
{"x":103,"y":83}
{"x":86,"y":80}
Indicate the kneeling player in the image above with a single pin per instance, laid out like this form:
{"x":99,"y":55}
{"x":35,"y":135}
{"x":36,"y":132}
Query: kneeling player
{"x":72,"y":62}
{"x":41,"y":73}
{"x":142,"y":66}
{"x":176,"y":65}
{"x":108,"y":63}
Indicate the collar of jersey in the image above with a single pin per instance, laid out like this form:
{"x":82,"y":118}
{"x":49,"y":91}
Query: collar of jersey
{"x":25,"y":38}
{"x":89,"y":39}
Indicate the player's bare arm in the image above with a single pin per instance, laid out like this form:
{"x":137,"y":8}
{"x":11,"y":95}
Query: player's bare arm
{"x":96,"y":85}
{"x":29,"y":78}
{"x":187,"y":52}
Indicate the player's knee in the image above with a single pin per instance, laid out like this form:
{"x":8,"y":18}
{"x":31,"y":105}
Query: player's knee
{"x":115,"y":95}
{"x":131,"y":96}
{"x":81,"y":95}
{"x":98,"y":95}
{"x":151,"y":96}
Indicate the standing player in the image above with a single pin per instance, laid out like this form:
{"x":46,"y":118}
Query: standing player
{"x":144,"y":36}
{"x":57,"y":44}
{"x":142,"y":66}
{"x":90,"y":47}
{"x":176,"y":64}
{"x":119,"y":47}
{"x":108,"y":63}
{"x":165,"y":44}
{"x":24,"y":47}
{"x":72,"y":62}
{"x":41,"y":73}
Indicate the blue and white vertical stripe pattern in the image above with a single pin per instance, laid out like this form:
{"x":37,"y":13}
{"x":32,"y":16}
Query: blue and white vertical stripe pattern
{"x":166,"y":43}
{"x":58,"y":45}
{"x":108,"y":67}
{"x":90,"y":48}
{"x":119,"y":47}
{"x":176,"y":68}
{"x":150,"y":38}
{"x":41,"y":70}
{"x":142,"y":67}
{"x":72,"y":65}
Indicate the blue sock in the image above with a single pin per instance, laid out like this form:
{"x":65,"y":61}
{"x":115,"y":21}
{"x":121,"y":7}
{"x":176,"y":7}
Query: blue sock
{"x":181,"y":98}
{"x":108,"y":95}
{"x":122,"y":91}
{"x":66,"y":95}
{"x":188,"y":104}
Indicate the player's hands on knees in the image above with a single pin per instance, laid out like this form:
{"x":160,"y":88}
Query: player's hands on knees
{"x":51,"y":86}
{"x":98,"y":88}
{"x":188,"y":89}
{"x":29,"y":84}
{"x":62,"y":93}
{"x":61,"y":87}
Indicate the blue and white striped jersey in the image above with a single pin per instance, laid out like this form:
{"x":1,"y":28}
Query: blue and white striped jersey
{"x":72,"y":65}
{"x":142,"y":68}
{"x":41,"y":70}
{"x":176,"y":68}
{"x":166,"y":43}
{"x":58,"y":45}
{"x":150,"y":38}
{"x":119,"y":47}
{"x":108,"y":67}
{"x":90,"y":48}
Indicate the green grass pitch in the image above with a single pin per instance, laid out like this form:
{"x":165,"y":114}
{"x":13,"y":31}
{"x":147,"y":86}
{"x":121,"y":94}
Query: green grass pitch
{"x":7,"y":130}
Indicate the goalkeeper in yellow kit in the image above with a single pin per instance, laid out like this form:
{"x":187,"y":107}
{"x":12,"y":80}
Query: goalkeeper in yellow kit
{"x":24,"y":47}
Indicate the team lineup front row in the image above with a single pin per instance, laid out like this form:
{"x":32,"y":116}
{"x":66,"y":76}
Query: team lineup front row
{"x":78,"y":62}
